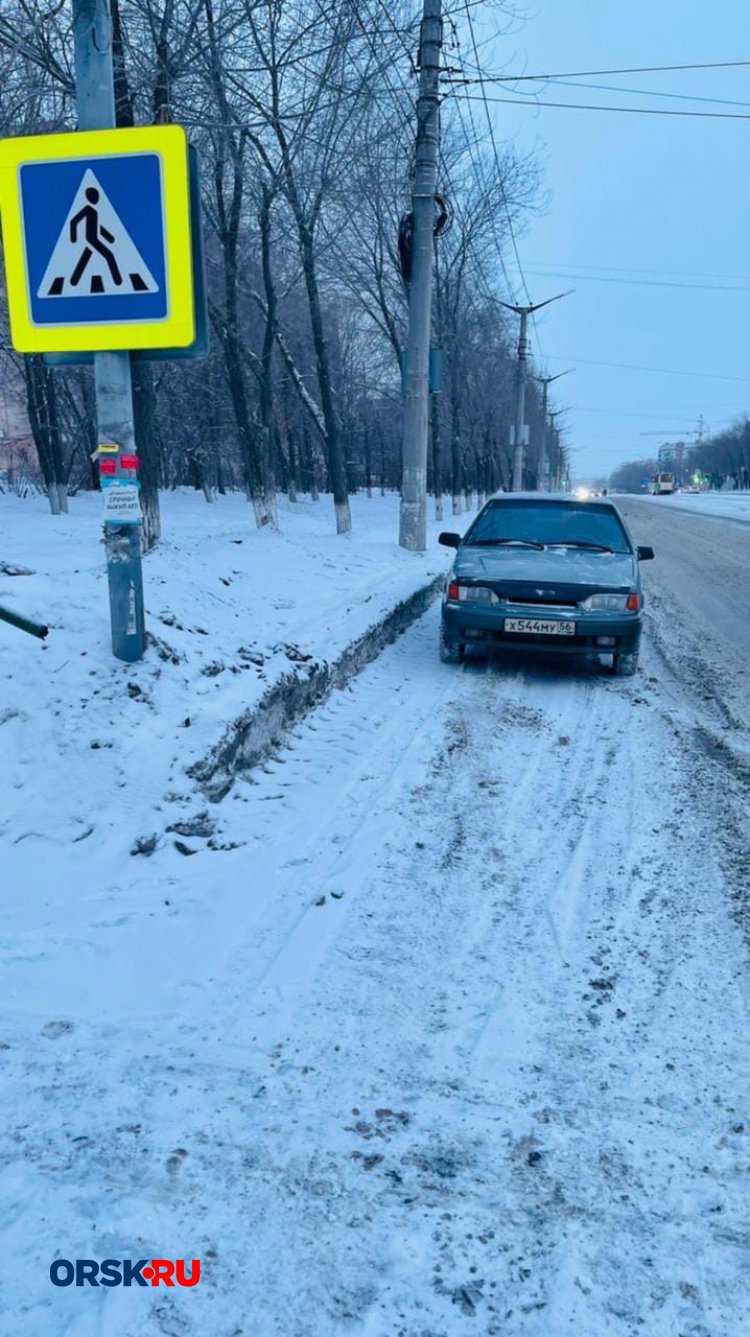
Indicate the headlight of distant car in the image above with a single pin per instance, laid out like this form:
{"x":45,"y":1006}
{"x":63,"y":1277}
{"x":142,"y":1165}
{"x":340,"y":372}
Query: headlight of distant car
{"x":612,"y":603}
{"x":476,"y":594}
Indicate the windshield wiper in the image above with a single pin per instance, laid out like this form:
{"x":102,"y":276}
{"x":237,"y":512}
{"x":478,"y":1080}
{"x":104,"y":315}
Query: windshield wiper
{"x":580,"y":543}
{"x":487,"y":543}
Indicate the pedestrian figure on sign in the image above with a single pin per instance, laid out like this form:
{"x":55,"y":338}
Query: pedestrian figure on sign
{"x":93,"y":232}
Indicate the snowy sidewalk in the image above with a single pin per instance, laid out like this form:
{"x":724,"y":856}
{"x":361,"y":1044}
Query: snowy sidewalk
{"x":451,"y":1041}
{"x":89,"y":742}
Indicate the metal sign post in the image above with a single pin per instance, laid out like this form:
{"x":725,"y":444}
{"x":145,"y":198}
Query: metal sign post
{"x":118,"y":466}
{"x":99,"y":261}
{"x":95,"y":99}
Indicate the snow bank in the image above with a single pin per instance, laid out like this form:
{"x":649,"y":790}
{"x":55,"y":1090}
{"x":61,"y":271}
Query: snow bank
{"x":727,"y":505}
{"x":230,"y":610}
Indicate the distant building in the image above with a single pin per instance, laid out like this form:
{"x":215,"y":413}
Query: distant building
{"x":672,"y":458}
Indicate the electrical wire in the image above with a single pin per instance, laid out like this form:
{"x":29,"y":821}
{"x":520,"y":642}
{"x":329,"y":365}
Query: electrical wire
{"x":659,"y":371}
{"x":491,"y":128}
{"x":481,"y":177}
{"x":641,"y":283}
{"x":516,"y":251}
{"x":644,"y":92}
{"x":562,"y":265}
{"x":593,"y":106}
{"x":596,"y":74}
{"x":501,"y":183}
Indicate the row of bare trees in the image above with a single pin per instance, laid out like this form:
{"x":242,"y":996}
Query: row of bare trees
{"x":722,"y":460}
{"x":302,"y":113}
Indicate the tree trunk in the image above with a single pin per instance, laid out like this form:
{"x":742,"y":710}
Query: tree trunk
{"x":294,"y":467}
{"x":231,"y":340}
{"x":437,"y":476}
{"x":37,"y":407}
{"x":50,"y":392}
{"x":368,"y":458}
{"x":268,"y":473}
{"x":456,"y":460}
{"x":334,"y":447}
{"x":144,"y":420}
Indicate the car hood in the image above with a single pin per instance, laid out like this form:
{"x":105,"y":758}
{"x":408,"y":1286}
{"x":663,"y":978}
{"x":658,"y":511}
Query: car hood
{"x":551,"y":570}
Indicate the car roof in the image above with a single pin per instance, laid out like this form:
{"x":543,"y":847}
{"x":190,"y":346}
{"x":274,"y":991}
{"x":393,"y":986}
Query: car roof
{"x":549,"y":497}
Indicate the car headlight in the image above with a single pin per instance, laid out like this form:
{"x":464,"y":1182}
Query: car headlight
{"x":612,"y":603}
{"x":476,"y":594}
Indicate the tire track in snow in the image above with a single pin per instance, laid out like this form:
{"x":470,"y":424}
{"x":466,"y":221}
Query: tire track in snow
{"x":400,"y":1097}
{"x":289,"y":937}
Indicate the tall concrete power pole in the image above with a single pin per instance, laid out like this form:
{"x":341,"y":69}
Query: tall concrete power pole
{"x":95,"y":103}
{"x":545,"y":382}
{"x":413,"y":517}
{"x":519,"y":456}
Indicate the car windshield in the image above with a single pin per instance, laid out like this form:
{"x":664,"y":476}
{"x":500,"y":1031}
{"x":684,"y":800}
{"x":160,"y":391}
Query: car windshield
{"x":588,"y":525}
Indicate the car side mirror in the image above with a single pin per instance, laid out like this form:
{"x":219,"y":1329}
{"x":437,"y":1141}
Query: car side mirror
{"x":645,"y":554}
{"x":449,"y":540}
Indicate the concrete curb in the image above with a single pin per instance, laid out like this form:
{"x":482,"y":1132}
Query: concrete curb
{"x":260,"y":731}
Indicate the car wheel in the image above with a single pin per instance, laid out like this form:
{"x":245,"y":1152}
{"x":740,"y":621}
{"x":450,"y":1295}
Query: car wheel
{"x":625,"y":665}
{"x":451,"y":652}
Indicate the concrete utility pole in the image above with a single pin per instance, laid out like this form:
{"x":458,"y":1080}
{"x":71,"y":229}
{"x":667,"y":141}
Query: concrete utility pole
{"x":413,"y":516}
{"x":545,"y":382}
{"x":95,"y":103}
{"x":523,"y":353}
{"x":553,"y":416}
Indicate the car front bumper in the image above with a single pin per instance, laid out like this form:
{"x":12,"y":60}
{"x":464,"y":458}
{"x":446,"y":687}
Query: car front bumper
{"x":468,"y":624}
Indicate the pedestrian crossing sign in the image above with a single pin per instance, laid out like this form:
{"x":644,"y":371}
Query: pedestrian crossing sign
{"x":96,"y":235}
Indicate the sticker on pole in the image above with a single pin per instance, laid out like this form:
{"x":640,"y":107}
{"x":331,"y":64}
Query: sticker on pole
{"x":97,"y":235}
{"x":121,"y":504}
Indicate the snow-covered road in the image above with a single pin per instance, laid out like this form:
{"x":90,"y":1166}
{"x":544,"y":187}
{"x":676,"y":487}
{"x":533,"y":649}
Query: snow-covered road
{"x":699,"y":588}
{"x":455,"y":1042}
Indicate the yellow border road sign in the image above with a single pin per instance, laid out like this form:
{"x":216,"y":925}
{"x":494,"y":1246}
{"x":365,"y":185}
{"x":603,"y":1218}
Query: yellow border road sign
{"x":96,"y":234}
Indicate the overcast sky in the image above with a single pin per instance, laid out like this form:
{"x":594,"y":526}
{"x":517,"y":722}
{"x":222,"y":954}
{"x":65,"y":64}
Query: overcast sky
{"x":658,"y":199}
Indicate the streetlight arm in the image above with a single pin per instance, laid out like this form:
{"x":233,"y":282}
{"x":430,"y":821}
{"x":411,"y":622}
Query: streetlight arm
{"x":539,"y":305}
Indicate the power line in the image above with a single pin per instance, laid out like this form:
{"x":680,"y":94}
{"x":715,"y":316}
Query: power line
{"x":478,"y":166}
{"x":660,"y":371}
{"x":624,"y":269}
{"x":595,"y":74}
{"x":497,"y":157}
{"x":633,"y":111}
{"x":654,"y":416}
{"x":649,"y":92}
{"x":641,"y":283}
{"x":502,"y":183}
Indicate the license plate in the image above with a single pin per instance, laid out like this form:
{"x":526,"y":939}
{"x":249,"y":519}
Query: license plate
{"x":533,"y":626}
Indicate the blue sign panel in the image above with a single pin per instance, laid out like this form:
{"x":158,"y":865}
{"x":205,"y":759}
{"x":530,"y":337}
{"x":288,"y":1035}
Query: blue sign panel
{"x":95,"y":240}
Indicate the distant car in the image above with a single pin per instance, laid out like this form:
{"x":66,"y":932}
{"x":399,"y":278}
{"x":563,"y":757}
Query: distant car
{"x":690,"y":487}
{"x":545,"y":572}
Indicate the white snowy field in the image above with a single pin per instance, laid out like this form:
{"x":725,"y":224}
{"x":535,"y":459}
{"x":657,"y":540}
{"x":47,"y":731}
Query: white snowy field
{"x":444,"y":1029}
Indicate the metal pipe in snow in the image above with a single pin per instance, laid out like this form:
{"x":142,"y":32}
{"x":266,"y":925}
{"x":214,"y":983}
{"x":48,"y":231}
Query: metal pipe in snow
{"x":23,"y":623}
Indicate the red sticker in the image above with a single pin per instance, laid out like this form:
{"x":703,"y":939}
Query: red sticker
{"x":107,"y":467}
{"x":129,"y":461}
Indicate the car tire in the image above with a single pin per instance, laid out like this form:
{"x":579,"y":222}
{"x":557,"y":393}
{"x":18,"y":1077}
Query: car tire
{"x":625,"y":666}
{"x":451,"y":652}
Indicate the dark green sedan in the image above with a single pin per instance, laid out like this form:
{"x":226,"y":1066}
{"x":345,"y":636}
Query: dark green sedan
{"x":545,"y":572}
